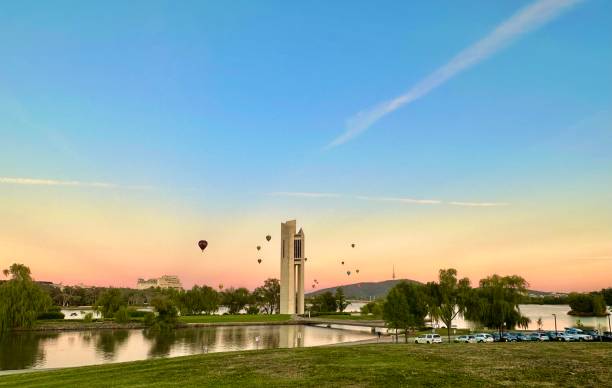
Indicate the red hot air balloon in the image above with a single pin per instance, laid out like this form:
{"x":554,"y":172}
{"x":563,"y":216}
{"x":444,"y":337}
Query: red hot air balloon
{"x":259,"y":261}
{"x":268,"y":237}
{"x":313,"y":286}
{"x":202,"y":244}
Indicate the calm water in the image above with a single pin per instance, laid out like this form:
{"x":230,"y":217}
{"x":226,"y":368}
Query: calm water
{"x":532,"y":311}
{"x":35,"y":350}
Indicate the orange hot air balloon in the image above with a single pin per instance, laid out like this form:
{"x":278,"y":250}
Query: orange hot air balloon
{"x":202,"y":244}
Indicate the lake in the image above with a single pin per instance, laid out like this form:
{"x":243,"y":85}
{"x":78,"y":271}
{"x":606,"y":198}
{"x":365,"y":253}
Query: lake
{"x":533,"y":312}
{"x":37,"y":350}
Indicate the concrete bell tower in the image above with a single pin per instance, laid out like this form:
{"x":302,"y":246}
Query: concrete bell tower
{"x":292,"y":269}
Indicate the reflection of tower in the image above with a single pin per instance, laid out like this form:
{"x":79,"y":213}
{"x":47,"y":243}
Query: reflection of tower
{"x":292,"y":269}
{"x":393,"y":272}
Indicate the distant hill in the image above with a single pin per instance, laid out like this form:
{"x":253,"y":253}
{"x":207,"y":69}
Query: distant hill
{"x":364,"y":290}
{"x":377,"y":290}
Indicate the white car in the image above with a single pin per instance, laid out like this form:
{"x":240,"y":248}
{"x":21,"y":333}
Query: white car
{"x":578,"y":335}
{"x":428,"y":339}
{"x":483,"y":337}
{"x":468,"y":339}
{"x":565,"y":337}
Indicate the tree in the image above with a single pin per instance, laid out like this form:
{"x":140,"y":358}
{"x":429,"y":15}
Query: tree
{"x":495,"y":303}
{"x":167,"y":313}
{"x":268,"y":296}
{"x":236,"y":299}
{"x":199,"y":300}
{"x":323,"y":303}
{"x":110,"y":302}
{"x":448,"y":298}
{"x":405,"y":307}
{"x":21,"y":299}
{"x":341,"y":301}
{"x":586,"y":304}
{"x":374,"y":308}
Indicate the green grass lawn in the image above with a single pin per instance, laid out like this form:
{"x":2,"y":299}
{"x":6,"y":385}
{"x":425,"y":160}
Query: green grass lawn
{"x":528,"y":364}
{"x":234,"y":318}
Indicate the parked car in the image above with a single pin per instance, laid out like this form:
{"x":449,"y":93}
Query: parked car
{"x":593,"y":333}
{"x":578,"y":334}
{"x":552,"y":336}
{"x":509,"y":337}
{"x":520,"y":337}
{"x":428,"y":339}
{"x":607,"y":336}
{"x":565,"y":337}
{"x":483,"y":337}
{"x":539,"y":337}
{"x":466,"y":339}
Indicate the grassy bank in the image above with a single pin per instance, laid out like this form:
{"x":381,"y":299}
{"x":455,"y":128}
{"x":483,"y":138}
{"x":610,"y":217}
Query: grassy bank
{"x":361,"y":365}
{"x":264,"y":318}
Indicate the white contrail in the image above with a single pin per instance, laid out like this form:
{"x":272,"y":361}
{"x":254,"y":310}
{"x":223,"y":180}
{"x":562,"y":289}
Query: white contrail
{"x":525,"y":20}
{"x":55,"y":182}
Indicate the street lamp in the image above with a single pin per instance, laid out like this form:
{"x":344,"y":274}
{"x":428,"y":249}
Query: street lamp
{"x":609,"y":327}
{"x":555,"y":315}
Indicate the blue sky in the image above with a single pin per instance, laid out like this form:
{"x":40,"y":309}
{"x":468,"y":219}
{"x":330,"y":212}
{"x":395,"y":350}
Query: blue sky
{"x":212,"y":106}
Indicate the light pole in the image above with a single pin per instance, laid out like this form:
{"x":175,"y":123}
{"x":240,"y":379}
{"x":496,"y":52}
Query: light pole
{"x":609,"y":327}
{"x":555,"y":315}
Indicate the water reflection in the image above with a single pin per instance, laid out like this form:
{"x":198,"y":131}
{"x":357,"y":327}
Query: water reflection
{"x":57,"y":350}
{"x":24,"y":350}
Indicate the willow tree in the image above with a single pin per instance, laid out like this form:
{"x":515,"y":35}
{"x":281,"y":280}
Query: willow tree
{"x":448,"y":297}
{"x":495,"y":303}
{"x":21,"y":299}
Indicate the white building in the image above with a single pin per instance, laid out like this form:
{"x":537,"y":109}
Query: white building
{"x":166,"y":281}
{"x":293,"y":251}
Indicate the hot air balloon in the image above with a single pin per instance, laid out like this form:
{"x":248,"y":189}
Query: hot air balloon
{"x":348,"y":273}
{"x":357,"y":271}
{"x":258,"y":247}
{"x":305,"y":258}
{"x":343,"y":263}
{"x":202,"y":244}
{"x":352,"y":245}
{"x":268,"y":237}
{"x":220,"y":286}
{"x":313,"y":286}
{"x":259,"y":261}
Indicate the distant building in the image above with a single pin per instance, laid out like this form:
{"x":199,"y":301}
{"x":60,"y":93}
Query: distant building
{"x":166,"y":281}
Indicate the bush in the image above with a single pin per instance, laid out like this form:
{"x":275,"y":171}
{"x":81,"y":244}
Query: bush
{"x":51,"y":315}
{"x":149,"y":318}
{"x":122,"y":315}
{"x":88,"y":318}
{"x":253,"y":310}
{"x":137,"y":313}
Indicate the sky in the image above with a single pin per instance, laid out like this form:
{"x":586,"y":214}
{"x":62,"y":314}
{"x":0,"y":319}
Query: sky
{"x":475,"y":135}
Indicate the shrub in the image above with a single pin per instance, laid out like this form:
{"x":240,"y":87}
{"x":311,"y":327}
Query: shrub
{"x":149,"y":318}
{"x":51,"y":315}
{"x":122,"y":315}
{"x":88,"y":317}
{"x":137,"y":313}
{"x":253,"y":310}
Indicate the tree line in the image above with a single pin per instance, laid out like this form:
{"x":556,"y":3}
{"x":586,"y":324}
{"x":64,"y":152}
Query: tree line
{"x":23,"y":301}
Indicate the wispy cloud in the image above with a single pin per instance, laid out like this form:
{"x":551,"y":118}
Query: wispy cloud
{"x":303,"y":194}
{"x":404,"y":200}
{"x":522,"y":22}
{"x":401,"y":200}
{"x":55,"y":182}
{"x":478,"y":204}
